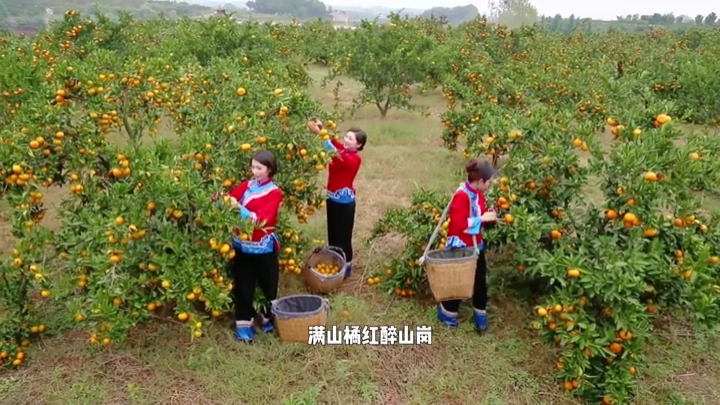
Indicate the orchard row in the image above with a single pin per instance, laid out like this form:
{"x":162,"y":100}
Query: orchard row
{"x":142,"y":122}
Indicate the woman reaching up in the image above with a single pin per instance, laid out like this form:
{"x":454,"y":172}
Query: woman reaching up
{"x":342,"y":170}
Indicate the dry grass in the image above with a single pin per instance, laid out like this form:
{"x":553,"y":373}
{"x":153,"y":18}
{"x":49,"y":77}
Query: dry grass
{"x":508,"y":366}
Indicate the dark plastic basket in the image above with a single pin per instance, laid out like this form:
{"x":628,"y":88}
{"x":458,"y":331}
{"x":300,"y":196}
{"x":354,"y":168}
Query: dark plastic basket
{"x":450,"y":255}
{"x":295,"y":314}
{"x":298,"y":306}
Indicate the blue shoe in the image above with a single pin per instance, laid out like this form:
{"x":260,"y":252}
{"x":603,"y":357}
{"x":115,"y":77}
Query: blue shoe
{"x":481,"y":320}
{"x":447,"y":317}
{"x":245,"y":333}
{"x":267,"y":325}
{"x":348,"y":270}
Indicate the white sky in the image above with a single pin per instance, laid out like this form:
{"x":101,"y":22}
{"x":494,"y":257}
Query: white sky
{"x":605,"y":9}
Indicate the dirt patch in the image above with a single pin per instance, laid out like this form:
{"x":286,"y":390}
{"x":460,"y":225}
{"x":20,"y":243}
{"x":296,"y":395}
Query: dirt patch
{"x":394,"y":368}
{"x":122,"y":368}
{"x":7,"y":240}
{"x":52,"y":200}
{"x":189,"y":392}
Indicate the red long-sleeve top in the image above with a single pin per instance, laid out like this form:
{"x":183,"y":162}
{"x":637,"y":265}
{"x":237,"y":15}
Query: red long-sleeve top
{"x":342,"y":171}
{"x":466,"y":208}
{"x":261,"y":202}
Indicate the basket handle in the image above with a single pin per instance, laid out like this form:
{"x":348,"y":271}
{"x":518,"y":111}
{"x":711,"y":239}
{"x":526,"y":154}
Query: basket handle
{"x":333,"y":248}
{"x":435,"y":232}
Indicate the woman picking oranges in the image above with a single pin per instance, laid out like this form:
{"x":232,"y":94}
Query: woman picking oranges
{"x":256,"y":261}
{"x":468,"y":212}
{"x":340,"y":186}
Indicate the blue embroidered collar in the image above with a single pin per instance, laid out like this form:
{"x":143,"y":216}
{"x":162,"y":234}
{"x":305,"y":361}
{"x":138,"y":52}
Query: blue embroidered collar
{"x":256,"y":185}
{"x":471,"y":190}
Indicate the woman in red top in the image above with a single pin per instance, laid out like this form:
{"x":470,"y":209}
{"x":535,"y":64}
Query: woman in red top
{"x":256,"y":259}
{"x":340,"y":188}
{"x":468,"y":213}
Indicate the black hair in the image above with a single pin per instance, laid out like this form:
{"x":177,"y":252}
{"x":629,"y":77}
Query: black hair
{"x":360,"y":137}
{"x":477,"y":170}
{"x":266,"y":159}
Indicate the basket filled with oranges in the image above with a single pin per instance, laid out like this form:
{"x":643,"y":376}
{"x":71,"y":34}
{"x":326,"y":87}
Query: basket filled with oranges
{"x":324,"y":269}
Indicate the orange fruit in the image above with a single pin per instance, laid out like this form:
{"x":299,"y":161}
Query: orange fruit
{"x":663,"y":118}
{"x":630,"y":217}
{"x":650,"y":176}
{"x":650,"y":232}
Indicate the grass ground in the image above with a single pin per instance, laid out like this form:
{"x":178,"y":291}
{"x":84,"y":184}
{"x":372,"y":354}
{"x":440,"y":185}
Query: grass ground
{"x":507,"y":366}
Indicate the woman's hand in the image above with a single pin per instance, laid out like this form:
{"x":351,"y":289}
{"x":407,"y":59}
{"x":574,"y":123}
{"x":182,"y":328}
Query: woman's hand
{"x":314,"y":125}
{"x":224,"y":199}
{"x":489,"y":216}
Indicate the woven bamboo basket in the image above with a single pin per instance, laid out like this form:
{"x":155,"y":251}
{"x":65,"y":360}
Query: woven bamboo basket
{"x":320,"y":283}
{"x":451,"y":273}
{"x":295,"y":314}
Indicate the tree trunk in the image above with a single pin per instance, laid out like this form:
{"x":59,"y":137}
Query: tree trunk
{"x":383,"y":108}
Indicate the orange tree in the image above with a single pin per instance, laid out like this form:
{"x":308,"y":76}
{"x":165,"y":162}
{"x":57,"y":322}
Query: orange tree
{"x":611,"y":265}
{"x":680,"y":71}
{"x":603,"y":263}
{"x":437,"y":69}
{"x":317,"y":39}
{"x":142,"y":137}
{"x":386,"y":59}
{"x":404,"y":276}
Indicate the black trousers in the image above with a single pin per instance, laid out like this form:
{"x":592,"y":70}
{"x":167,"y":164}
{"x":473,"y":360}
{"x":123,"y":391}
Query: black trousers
{"x":480,"y":291}
{"x":340,"y":224}
{"x":248,"y":271}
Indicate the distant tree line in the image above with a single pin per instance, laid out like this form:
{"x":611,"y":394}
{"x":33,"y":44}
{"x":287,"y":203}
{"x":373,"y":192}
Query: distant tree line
{"x":302,"y":9}
{"x":453,"y":15}
{"x":634,"y":22}
{"x":512,"y":13}
{"x":31,"y":16}
{"x":670,"y":19}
